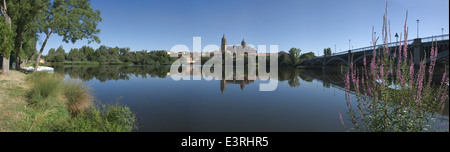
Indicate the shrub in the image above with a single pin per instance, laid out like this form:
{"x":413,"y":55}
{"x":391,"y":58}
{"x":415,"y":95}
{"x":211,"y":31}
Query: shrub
{"x":104,"y":118}
{"x":44,"y":85}
{"x":391,"y":95}
{"x":54,"y":117}
{"x":67,"y":106}
{"x":78,"y":96}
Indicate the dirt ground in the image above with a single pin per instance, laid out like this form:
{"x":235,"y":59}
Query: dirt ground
{"x":12,"y":96}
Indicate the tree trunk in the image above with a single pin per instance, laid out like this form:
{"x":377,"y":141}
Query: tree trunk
{"x":40,"y":52}
{"x":18,"y":62}
{"x":5,"y":64}
{"x":18,"y":47}
{"x":37,"y":62}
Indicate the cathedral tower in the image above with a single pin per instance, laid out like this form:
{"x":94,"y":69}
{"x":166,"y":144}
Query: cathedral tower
{"x":224,"y":44}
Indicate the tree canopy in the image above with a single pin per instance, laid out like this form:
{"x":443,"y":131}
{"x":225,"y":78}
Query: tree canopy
{"x":307,"y":56}
{"x":24,"y":15}
{"x":294,"y":54}
{"x":327,"y":51}
{"x":110,"y":55}
{"x":5,"y":46}
{"x":6,"y":42}
{"x":72,"y":20}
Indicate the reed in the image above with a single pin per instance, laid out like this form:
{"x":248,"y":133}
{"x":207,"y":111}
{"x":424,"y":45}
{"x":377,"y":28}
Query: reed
{"x":404,"y":100}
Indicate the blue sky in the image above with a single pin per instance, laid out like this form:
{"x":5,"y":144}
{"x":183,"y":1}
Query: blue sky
{"x":310,"y":25}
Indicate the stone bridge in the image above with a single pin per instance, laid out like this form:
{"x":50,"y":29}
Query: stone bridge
{"x":416,"y":49}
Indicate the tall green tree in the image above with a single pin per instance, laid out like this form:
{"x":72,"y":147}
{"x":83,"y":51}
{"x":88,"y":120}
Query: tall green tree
{"x":88,"y":53}
{"x":72,"y":19}
{"x":60,"y":55}
{"x":51,"y":55}
{"x":71,"y":54}
{"x":29,"y":46}
{"x":24,"y":15}
{"x":124,"y":53}
{"x":307,"y":56}
{"x":283,"y":59}
{"x":327,"y":51}
{"x":294,"y":54}
{"x":7,"y":35}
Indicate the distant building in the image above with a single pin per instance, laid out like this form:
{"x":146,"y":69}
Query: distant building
{"x":143,"y":51}
{"x":224,"y":48}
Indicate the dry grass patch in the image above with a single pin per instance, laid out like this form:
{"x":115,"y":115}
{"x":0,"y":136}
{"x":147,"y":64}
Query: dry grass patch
{"x":12,"y":91}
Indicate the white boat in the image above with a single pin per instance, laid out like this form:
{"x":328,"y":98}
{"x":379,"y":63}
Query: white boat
{"x":40,"y":68}
{"x":392,"y":85}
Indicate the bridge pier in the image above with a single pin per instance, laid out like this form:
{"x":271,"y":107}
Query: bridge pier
{"x":417,"y":51}
{"x":349,"y":56}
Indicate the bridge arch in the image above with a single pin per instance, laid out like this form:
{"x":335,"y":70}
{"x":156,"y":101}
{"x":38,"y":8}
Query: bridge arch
{"x":317,"y":60}
{"x":326,"y":77}
{"x":337,"y":59}
{"x":439,"y":56}
{"x":307,"y":62}
{"x":415,"y":49}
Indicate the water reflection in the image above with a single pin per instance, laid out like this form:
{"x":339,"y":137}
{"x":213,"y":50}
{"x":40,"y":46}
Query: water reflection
{"x":329,"y":78}
{"x":113,"y":72}
{"x":106,"y":73}
{"x":305,"y":100}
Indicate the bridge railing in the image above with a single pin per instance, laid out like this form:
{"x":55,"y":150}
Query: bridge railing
{"x":435,"y":38}
{"x":392,"y":44}
{"x":379,"y":46}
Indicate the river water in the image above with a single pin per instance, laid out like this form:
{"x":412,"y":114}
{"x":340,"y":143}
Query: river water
{"x":303,"y":101}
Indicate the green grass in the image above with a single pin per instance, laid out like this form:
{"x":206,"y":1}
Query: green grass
{"x":54,"y":117}
{"x":55,"y":105}
{"x":78,"y":96}
{"x":104,"y":118}
{"x":44,"y":86}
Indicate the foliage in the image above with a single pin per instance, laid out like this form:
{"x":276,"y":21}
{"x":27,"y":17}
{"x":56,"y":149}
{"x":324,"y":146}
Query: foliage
{"x":28,"y":50}
{"x":6,"y":41}
{"x":104,"y":118}
{"x":71,"y":19}
{"x":147,"y":58}
{"x":307,"y":56}
{"x":78,"y":96}
{"x":56,"y":56}
{"x":75,"y":55}
{"x":283,"y":59}
{"x":110,"y":55}
{"x":24,"y":15}
{"x":391,"y":95}
{"x":88,"y":52}
{"x":294,"y":55}
{"x":327,"y":51}
{"x":44,"y":86}
{"x":67,"y":107}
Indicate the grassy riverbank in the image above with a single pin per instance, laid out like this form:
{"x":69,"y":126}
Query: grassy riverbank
{"x":42,"y":102}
